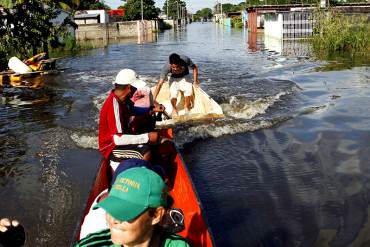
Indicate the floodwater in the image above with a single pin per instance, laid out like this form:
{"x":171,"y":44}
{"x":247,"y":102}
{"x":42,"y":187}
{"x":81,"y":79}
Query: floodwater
{"x":288,"y":166}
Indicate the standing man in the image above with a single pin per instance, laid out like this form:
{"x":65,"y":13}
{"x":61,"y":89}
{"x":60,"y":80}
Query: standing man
{"x":114,"y":132}
{"x":178,"y":67}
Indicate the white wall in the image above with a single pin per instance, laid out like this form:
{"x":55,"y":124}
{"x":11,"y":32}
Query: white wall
{"x":104,"y":17}
{"x":274,"y":27}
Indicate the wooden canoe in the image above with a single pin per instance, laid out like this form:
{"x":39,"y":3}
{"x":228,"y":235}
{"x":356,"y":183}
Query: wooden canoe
{"x":34,"y":80}
{"x":203,"y":106}
{"x":181,"y":190}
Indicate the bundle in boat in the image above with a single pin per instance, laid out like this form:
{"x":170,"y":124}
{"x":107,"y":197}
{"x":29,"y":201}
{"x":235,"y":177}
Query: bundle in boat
{"x":203,"y":107}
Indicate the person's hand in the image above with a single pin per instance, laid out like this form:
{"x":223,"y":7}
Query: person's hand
{"x":196,"y":83}
{"x":6,"y":223}
{"x":158,"y":108}
{"x":12,"y":234}
{"x":153,"y":137}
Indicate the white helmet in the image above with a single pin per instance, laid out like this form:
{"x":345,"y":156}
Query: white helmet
{"x":129,"y":77}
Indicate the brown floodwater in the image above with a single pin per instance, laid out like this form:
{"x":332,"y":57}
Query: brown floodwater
{"x":288,"y":166}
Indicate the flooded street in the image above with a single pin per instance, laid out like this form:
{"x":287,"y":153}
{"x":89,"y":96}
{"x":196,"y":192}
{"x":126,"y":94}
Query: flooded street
{"x":288,"y":166}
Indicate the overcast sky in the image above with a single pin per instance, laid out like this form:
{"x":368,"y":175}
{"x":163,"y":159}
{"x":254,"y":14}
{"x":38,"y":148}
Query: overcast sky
{"x":193,"y":5}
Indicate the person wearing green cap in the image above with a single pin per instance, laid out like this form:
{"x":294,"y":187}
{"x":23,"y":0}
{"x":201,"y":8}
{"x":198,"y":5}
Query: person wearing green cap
{"x":134,"y":209}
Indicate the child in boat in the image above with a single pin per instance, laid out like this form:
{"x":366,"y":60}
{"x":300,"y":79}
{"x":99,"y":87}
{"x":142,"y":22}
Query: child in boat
{"x":134,"y":209}
{"x":144,"y":109}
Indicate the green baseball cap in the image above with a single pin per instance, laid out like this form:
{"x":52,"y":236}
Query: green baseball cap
{"x":134,"y":191}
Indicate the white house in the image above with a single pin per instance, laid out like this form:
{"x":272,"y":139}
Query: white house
{"x":91,"y":16}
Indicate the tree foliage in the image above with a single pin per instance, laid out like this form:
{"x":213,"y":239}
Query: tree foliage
{"x":133,"y":10}
{"x":228,"y":7}
{"x":26,"y":28}
{"x":205,"y":13}
{"x":174,"y":8}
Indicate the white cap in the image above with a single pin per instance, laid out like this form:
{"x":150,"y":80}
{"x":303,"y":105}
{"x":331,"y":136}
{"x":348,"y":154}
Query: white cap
{"x":129,"y":77}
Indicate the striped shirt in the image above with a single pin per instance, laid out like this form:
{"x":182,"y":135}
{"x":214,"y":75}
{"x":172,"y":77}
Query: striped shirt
{"x":103,"y":239}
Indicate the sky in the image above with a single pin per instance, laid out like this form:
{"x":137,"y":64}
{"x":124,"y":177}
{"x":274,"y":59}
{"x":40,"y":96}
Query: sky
{"x":193,"y":5}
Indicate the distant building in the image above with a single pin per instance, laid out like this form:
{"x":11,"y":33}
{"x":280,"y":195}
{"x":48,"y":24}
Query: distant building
{"x":91,"y":17}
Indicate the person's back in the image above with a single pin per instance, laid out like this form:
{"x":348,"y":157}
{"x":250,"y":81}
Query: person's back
{"x":114,"y":131}
{"x":111,"y":121}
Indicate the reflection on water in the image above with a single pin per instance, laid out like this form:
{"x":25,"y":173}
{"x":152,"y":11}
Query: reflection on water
{"x":288,"y":48}
{"x":287,"y":166}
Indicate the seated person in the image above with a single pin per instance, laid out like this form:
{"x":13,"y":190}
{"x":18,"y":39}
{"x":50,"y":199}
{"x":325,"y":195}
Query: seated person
{"x":144,"y":110}
{"x":95,"y":219}
{"x":35,"y":62}
{"x":116,"y":140}
{"x":134,"y":209}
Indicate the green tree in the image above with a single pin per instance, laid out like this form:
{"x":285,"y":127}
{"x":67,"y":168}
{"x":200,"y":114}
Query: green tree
{"x":174,"y":8}
{"x":26,"y":28}
{"x":205,"y":13}
{"x":133,"y":10}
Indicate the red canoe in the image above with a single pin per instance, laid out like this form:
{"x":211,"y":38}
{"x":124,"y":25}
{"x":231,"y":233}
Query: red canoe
{"x":182,"y":191}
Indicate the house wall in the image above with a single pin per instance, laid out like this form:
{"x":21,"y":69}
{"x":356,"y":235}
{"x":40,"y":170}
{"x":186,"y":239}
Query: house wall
{"x":104,"y":17}
{"x":227,"y":22}
{"x":274,"y":25}
{"x":245,"y":18}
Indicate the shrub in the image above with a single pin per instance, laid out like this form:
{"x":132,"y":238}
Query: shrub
{"x":237,"y":22}
{"x":337,"y":32}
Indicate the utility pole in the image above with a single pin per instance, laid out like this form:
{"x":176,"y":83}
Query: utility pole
{"x":221,"y":7}
{"x":142,"y":10}
{"x":177,"y":9}
{"x":222,"y":16}
{"x":167,"y":9}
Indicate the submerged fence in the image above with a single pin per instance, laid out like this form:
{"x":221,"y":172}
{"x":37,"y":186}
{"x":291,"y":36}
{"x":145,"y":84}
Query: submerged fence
{"x":297,"y":25}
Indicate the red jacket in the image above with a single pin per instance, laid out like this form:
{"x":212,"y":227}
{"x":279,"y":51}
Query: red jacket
{"x":113,"y":126}
{"x":113,"y":120}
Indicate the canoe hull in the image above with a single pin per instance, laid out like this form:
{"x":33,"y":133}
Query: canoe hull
{"x":182,"y":191}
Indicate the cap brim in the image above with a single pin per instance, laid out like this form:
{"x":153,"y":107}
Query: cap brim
{"x":138,"y":84}
{"x":120,"y":209}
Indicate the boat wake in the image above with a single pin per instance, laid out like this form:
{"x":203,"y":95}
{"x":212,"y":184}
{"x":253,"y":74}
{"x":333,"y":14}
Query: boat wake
{"x":244,"y":112}
{"x":241,"y":107}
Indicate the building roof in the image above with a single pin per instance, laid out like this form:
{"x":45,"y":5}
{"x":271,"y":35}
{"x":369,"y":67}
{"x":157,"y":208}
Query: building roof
{"x":87,"y":16}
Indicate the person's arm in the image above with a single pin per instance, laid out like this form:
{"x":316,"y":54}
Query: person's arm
{"x":194,"y":67}
{"x":116,"y":130}
{"x":164,"y":73}
{"x":158,"y":88}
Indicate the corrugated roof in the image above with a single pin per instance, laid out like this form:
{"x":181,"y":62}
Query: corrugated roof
{"x":86,"y":16}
